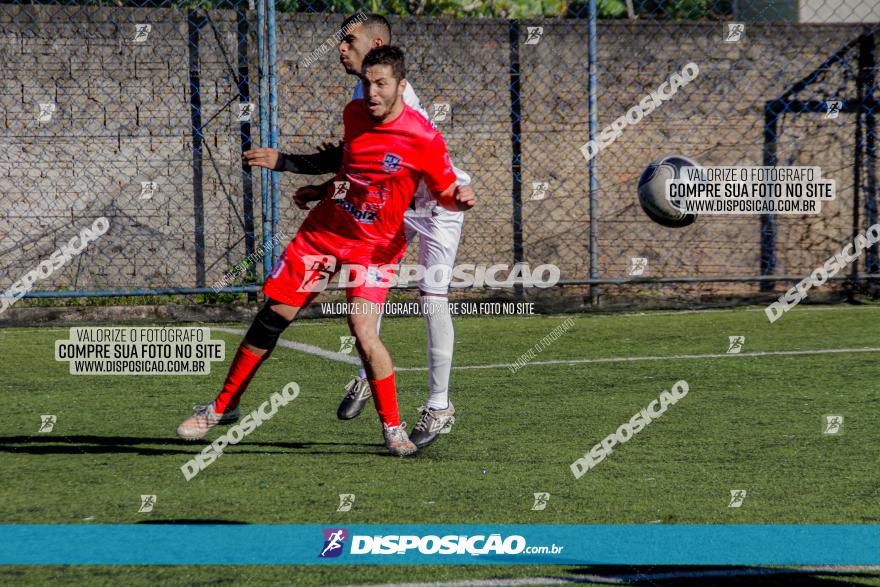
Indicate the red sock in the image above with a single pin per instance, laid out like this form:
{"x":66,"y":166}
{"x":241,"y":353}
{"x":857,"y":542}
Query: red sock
{"x":243,"y":368}
{"x":385,"y":398}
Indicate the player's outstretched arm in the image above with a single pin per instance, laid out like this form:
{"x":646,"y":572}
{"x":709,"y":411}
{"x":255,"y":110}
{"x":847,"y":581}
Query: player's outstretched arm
{"x":328,"y":159}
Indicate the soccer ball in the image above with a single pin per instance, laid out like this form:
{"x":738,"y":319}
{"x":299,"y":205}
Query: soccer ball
{"x":652,"y":191}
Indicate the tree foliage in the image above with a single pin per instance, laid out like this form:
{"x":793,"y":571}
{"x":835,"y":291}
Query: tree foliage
{"x":520,"y":9}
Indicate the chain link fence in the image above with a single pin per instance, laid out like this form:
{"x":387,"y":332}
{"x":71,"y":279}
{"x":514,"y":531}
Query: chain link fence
{"x":761,"y":98}
{"x":140,"y":112}
{"x":133,"y":114}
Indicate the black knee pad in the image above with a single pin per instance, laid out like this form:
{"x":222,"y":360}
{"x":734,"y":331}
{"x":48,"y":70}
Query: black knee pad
{"x":266,"y":329}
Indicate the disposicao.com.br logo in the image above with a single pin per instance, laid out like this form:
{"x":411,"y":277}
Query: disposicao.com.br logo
{"x":476,"y":545}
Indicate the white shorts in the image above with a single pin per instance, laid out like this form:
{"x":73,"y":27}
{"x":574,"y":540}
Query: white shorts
{"x":438,"y":234}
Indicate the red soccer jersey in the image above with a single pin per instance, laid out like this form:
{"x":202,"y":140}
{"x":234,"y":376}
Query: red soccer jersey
{"x":382,"y":165}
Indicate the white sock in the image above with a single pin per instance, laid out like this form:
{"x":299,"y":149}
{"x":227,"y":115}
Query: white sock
{"x":363,"y":372}
{"x":441,"y":340}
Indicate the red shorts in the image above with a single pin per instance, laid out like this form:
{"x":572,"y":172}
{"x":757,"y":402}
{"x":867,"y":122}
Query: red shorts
{"x":313,"y":257}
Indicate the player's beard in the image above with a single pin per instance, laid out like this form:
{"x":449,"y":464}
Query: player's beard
{"x":383,"y":109}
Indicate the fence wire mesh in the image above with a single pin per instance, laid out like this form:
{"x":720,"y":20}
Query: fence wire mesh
{"x":139,"y":113}
{"x":132,"y":114}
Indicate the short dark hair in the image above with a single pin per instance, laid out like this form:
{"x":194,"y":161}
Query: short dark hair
{"x":387,"y":55}
{"x":376,"y":22}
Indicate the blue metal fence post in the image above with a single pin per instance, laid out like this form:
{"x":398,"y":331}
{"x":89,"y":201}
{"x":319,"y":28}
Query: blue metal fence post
{"x":594,"y":178}
{"x":264,"y":132}
{"x":273,"y":123}
{"x":246,"y":140}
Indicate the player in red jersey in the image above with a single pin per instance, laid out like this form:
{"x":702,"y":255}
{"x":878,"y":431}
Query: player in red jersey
{"x":388,"y":149}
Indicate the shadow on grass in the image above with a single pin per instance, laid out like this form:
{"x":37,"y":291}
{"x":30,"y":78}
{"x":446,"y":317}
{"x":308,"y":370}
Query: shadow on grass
{"x":45,"y":444}
{"x":726,"y":576}
{"x":197,"y":522}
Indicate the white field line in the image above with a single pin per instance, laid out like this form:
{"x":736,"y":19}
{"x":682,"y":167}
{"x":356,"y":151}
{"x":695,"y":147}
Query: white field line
{"x":305,"y":348}
{"x":656,"y":358}
{"x":648,"y":314}
{"x":353,"y":360}
{"x":631,"y":314}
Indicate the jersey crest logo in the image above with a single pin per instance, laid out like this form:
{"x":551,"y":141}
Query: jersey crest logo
{"x":391,"y":163}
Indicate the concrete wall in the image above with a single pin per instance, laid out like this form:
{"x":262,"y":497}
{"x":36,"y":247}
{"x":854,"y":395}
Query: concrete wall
{"x":828,"y":11}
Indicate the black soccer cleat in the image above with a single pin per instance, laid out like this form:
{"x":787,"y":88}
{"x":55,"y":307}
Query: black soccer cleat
{"x":432,"y":424}
{"x":357,"y":392}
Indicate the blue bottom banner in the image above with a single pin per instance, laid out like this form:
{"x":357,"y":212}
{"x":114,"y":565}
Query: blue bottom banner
{"x":188,"y":544}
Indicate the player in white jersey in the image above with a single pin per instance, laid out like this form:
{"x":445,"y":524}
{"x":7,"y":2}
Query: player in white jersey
{"x":438,"y":229}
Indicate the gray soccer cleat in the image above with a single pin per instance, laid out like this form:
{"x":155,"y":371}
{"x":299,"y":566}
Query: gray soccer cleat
{"x":432,"y":424}
{"x":203,"y":419}
{"x":396,"y":440}
{"x":357,"y":392}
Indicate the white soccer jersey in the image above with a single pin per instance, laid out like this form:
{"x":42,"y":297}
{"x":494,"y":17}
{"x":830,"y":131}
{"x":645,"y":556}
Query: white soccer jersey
{"x":424,"y":202}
